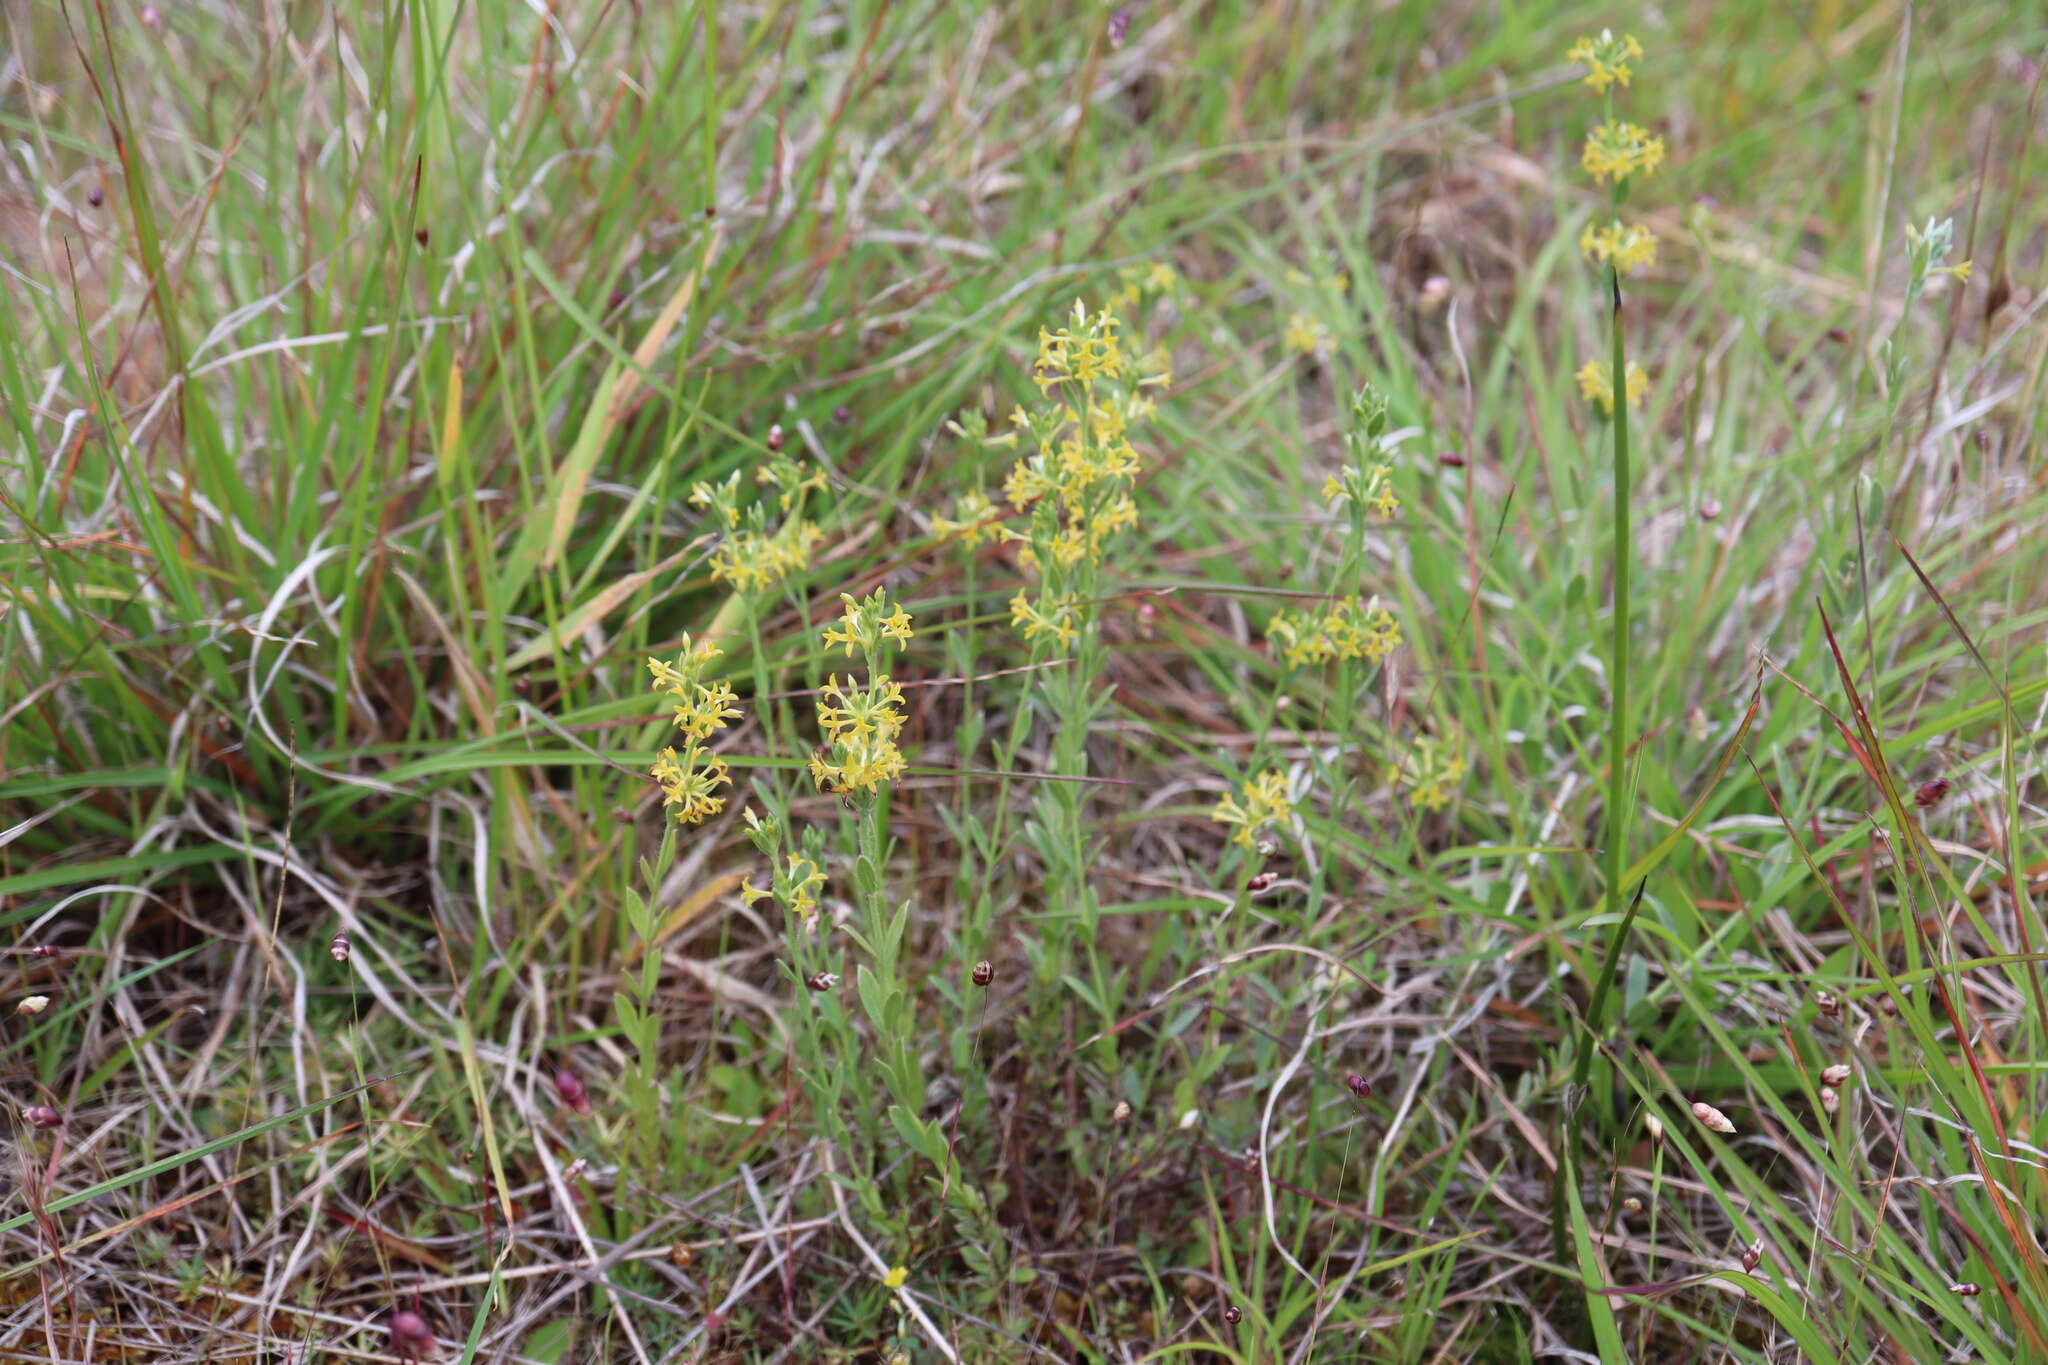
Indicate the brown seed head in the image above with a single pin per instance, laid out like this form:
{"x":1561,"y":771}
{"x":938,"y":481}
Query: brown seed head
{"x":1712,"y":1119}
{"x":822,"y":981}
{"x":983,"y":973}
{"x":571,"y":1092}
{"x":1360,"y":1086}
{"x":338,"y":946}
{"x":1928,"y":794}
{"x":1826,"y":1004}
{"x":1752,"y":1254}
{"x":1121,"y":1113}
{"x":1966,"y":1289}
{"x":1834,"y":1075}
{"x":1233,"y":1315}
{"x":42,"y":1116}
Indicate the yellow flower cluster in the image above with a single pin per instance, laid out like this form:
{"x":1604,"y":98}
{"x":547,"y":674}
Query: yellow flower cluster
{"x":1305,"y":334}
{"x":866,"y":623}
{"x":1606,"y":59}
{"x":1141,"y":279}
{"x":1432,"y":775}
{"x":862,"y":723}
{"x":1343,"y":630}
{"x":1076,"y":476}
{"x":797,"y":888}
{"x":1596,"y":384}
{"x":1260,"y":802}
{"x":690,"y":780}
{"x":1370,"y":486}
{"x":1618,"y":150}
{"x":758,"y":558}
{"x":975,"y":521}
{"x":1629,"y":246}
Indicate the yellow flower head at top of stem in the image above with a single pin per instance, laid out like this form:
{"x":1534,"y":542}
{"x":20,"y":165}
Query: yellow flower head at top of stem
{"x":756,"y":560}
{"x":1432,"y":773}
{"x":1348,"y":629}
{"x":689,"y":783}
{"x":1368,"y":486}
{"x":867,"y":622}
{"x":1260,"y":802}
{"x":1056,"y":621}
{"x":1618,"y":150}
{"x":975,"y":521}
{"x":1606,"y":59}
{"x":1304,"y":334}
{"x":1084,"y":352}
{"x":1596,"y":384}
{"x":861,"y":723}
{"x":1629,"y":246}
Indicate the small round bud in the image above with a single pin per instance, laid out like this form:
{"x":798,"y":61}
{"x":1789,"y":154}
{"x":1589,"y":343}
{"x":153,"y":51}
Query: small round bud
{"x":682,"y":1255}
{"x":1450,"y":459}
{"x":1119,"y":26}
{"x":411,"y":1338}
{"x":1121,"y":1113}
{"x":45,"y":950}
{"x":1262,"y":882}
{"x":983,"y":973}
{"x":822,"y":981}
{"x":1752,"y":1255}
{"x":1233,"y":1315}
{"x":1834,"y":1075}
{"x":1267,"y":848}
{"x":1710,"y":509}
{"x":150,"y":17}
{"x":1966,"y":1289}
{"x":32,"y":1004}
{"x":1712,"y":1119}
{"x":95,"y":196}
{"x":1251,"y":1158}
{"x":1826,"y":1004}
{"x":1830,"y":1100}
{"x":338,"y":946}
{"x":42,"y":1116}
{"x":776,"y":439}
{"x":1360,"y":1086}
{"x":1655,"y":1126}
{"x":1631,"y":1206}
{"x":422,"y":236}
{"x":571,"y":1092}
{"x":842,"y":413}
{"x":575,"y":1169}
{"x":1929,"y":794}
{"x":1838,"y":335}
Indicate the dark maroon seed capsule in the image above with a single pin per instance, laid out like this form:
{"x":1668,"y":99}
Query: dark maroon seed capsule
{"x":95,"y":196}
{"x":1261,"y":882}
{"x":45,"y":950}
{"x":1360,"y":1086}
{"x":1751,"y":1255}
{"x":572,"y":1092}
{"x":822,"y":981}
{"x":776,"y":440}
{"x":984,"y":972}
{"x":1928,"y":794}
{"x":1451,"y":459}
{"x":421,"y":235}
{"x":1233,"y":1315}
{"x":1838,"y":335}
{"x":842,"y":413}
{"x":338,"y":946}
{"x":42,"y":1116}
{"x":1119,"y":26}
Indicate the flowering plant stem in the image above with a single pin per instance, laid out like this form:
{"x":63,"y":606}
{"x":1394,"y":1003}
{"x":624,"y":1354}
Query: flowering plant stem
{"x":1614,"y":836}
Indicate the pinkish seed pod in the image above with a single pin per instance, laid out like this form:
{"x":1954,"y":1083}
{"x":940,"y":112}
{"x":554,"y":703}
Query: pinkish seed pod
{"x":338,"y":946}
{"x":150,"y":18}
{"x":1119,"y":26}
{"x":1631,"y":1205}
{"x":572,"y":1093}
{"x":32,"y":1004}
{"x":1450,"y":459}
{"x":1712,"y":1119}
{"x":1251,"y":1158}
{"x":1928,"y":794}
{"x":411,"y":1338}
{"x":45,"y":950}
{"x":95,"y":196}
{"x":822,"y":981}
{"x":1121,"y":1113}
{"x":983,"y":973}
{"x":1826,"y":1004}
{"x":42,"y":1116}
{"x":1360,"y":1086}
{"x":574,"y":1170}
{"x":1233,"y":1315}
{"x":1752,"y":1254}
{"x":1710,"y":509}
{"x":1834,"y":1075}
{"x":1966,"y":1289}
{"x":1830,"y":1100}
{"x":1262,"y":882}
{"x":775,"y":437}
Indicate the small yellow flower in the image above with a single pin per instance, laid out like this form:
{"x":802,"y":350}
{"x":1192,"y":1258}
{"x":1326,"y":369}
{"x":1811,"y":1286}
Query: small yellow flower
{"x":895,"y":1278}
{"x":1262,"y":801}
{"x":1349,"y":629}
{"x":975,"y":521}
{"x":1305,"y":334}
{"x":862,"y":723}
{"x":1620,"y":150}
{"x":1432,"y":775}
{"x":866,"y":623}
{"x":1628,"y":246}
{"x":689,"y":782}
{"x":1596,"y":384}
{"x":1606,"y":59}
{"x":1368,"y":486}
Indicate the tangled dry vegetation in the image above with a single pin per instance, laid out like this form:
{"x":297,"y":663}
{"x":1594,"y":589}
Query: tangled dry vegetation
{"x":1154,"y":876}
